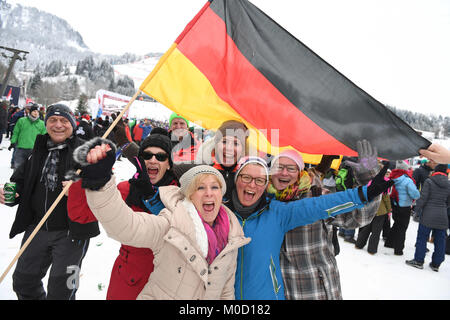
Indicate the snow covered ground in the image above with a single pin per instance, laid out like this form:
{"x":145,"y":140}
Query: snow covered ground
{"x":383,"y":276}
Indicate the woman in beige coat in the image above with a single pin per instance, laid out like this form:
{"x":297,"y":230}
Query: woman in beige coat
{"x":195,"y":239}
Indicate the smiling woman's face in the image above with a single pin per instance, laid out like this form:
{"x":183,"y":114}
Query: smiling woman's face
{"x":284,"y":173}
{"x":249,"y":193}
{"x":207,"y":197}
{"x":229,"y":150}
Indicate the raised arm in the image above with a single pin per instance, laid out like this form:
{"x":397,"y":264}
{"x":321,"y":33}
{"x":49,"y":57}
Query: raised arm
{"x":97,"y":158}
{"x":309,"y":210}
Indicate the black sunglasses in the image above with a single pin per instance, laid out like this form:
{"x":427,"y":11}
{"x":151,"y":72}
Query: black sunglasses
{"x":160,"y":156}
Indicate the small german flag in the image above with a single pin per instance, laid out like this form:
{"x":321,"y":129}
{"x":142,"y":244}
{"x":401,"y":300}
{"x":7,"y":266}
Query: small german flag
{"x":233,"y":62}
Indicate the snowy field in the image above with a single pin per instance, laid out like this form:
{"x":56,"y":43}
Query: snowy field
{"x":383,"y":276}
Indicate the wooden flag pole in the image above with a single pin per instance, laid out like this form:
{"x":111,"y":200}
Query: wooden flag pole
{"x":63,"y":192}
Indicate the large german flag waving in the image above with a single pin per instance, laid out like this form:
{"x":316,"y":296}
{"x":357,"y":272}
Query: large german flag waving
{"x":232,"y":61}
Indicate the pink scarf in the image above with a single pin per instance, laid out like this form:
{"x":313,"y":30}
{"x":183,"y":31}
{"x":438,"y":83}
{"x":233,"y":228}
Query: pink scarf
{"x":217,"y":234}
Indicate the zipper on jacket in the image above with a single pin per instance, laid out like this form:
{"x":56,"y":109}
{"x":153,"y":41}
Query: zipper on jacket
{"x":242,"y":261}
{"x":45,"y":211}
{"x":242,"y":248}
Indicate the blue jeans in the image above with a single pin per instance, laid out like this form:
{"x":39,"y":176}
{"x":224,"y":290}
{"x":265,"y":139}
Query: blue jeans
{"x":20,"y":156}
{"x":348,"y":233}
{"x":423,"y":234}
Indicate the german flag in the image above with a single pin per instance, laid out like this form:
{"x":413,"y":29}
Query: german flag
{"x":233,"y":62}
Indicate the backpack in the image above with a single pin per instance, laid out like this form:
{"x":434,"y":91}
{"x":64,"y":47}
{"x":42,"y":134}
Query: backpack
{"x":344,"y":179}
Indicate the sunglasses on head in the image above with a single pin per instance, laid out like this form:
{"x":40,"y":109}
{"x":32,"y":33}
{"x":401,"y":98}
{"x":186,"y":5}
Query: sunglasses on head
{"x":160,"y":156}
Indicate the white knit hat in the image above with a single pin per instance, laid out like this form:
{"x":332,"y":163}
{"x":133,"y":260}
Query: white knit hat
{"x":187,"y":178}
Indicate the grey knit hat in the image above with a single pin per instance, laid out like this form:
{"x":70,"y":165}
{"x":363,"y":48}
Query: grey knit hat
{"x":399,"y":164}
{"x":187,"y":178}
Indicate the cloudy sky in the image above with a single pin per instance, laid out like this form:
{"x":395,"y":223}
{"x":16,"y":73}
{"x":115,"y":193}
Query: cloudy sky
{"x":396,"y":50}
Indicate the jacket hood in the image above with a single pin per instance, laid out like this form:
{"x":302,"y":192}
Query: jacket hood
{"x":441,"y":180}
{"x":401,"y":180}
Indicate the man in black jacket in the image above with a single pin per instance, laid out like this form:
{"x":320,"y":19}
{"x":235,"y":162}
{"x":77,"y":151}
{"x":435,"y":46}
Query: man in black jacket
{"x":423,"y":172}
{"x":84,"y":129}
{"x":60,"y":243}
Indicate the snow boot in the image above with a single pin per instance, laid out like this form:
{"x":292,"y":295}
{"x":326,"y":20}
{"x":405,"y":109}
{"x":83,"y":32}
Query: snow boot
{"x":414,"y":263}
{"x":433,"y":267}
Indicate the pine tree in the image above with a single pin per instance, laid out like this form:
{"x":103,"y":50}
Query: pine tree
{"x":35,"y":83}
{"x":82,"y":104}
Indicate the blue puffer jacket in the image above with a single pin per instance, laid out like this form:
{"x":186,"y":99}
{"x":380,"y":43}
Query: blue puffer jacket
{"x":258,"y":275}
{"x":145,"y":130}
{"x":407,"y":191}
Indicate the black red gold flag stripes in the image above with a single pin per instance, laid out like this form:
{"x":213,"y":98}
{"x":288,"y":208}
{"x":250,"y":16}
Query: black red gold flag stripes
{"x":232,"y":61}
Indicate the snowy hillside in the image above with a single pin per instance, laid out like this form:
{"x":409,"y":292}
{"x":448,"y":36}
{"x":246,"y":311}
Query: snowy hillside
{"x":138,"y":71}
{"x":383,"y":276}
{"x":138,"y":109}
{"x":44,"y":35}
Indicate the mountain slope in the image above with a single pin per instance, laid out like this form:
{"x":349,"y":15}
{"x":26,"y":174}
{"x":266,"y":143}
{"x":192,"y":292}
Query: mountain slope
{"x":44,"y":35}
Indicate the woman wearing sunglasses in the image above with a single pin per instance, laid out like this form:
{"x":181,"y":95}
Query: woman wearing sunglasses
{"x":266,"y":221}
{"x":195,"y":238}
{"x":133,"y":266}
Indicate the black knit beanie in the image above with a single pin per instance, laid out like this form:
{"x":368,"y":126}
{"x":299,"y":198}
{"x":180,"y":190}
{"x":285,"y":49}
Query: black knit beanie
{"x":158,"y":139}
{"x":441,"y":168}
{"x":62,"y":111}
{"x":34,"y":107}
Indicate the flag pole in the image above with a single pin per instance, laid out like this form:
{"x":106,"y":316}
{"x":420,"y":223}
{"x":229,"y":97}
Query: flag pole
{"x":63,"y":192}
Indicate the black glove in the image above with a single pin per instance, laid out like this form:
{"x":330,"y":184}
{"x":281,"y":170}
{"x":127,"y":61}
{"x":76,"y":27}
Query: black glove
{"x":378,"y":185}
{"x":11,"y":146}
{"x":140,"y":185}
{"x":325,"y":163}
{"x":141,"y":182}
{"x":95,"y":176}
{"x":316,"y":191}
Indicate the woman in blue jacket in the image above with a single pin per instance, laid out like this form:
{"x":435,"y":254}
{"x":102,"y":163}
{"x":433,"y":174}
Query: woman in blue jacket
{"x":402,"y":196}
{"x":266,"y":221}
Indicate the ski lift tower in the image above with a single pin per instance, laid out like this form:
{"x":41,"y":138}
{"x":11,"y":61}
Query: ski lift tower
{"x":17,"y":55}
